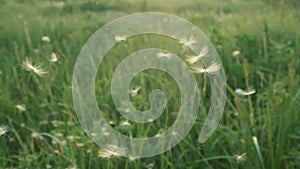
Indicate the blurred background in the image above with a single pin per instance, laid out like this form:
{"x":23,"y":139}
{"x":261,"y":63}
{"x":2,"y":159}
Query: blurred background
{"x":258,"y":42}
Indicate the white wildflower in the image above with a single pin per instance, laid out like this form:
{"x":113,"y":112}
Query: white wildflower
{"x":236,"y":53}
{"x":242,"y":92}
{"x":80,"y":144}
{"x":134,"y":92}
{"x":53,"y":57}
{"x":194,"y":59}
{"x":37,"y":135}
{"x":36,"y":51}
{"x":73,"y":138}
{"x":46,"y":39}
{"x":72,"y":167}
{"x":120,"y":38}
{"x":211,"y":69}
{"x":57,"y":123}
{"x":28,"y":66}
{"x":21,"y":107}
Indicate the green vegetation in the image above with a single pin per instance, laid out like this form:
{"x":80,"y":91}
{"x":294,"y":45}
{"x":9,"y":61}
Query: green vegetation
{"x":38,"y":124}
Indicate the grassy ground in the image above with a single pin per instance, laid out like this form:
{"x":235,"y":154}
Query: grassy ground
{"x":48,"y":135}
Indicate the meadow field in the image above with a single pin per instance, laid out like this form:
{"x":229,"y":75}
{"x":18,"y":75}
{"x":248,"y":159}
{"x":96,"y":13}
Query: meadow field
{"x":258,"y":42}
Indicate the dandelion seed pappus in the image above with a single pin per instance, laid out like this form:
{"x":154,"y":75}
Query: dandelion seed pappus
{"x":182,"y":69}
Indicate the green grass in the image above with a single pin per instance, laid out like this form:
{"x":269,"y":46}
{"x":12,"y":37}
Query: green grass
{"x":266,"y":34}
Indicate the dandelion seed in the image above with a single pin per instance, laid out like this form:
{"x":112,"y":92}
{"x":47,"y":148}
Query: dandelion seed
{"x":21,"y":107}
{"x":127,"y":110}
{"x":36,"y":51}
{"x":103,"y":153}
{"x":93,"y":134}
{"x":212,"y":69}
{"x":125,"y":123}
{"x":150,"y":166}
{"x":219,"y":47}
{"x":194,"y":59}
{"x":134,"y":92}
{"x":157,"y":135}
{"x":105,"y":132}
{"x":236,"y":53}
{"x":3,"y":129}
{"x":242,"y":92}
{"x":111,"y":122}
{"x":188,"y":42}
{"x":28,"y":66}
{"x":174,"y":133}
{"x":242,"y":157}
{"x":45,"y":39}
{"x":56,"y":123}
{"x":53,"y":57}
{"x":164,"y":55}
{"x":111,"y":150}
{"x":11,"y":139}
{"x":116,"y":150}
{"x":131,"y":158}
{"x":120,"y":38}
